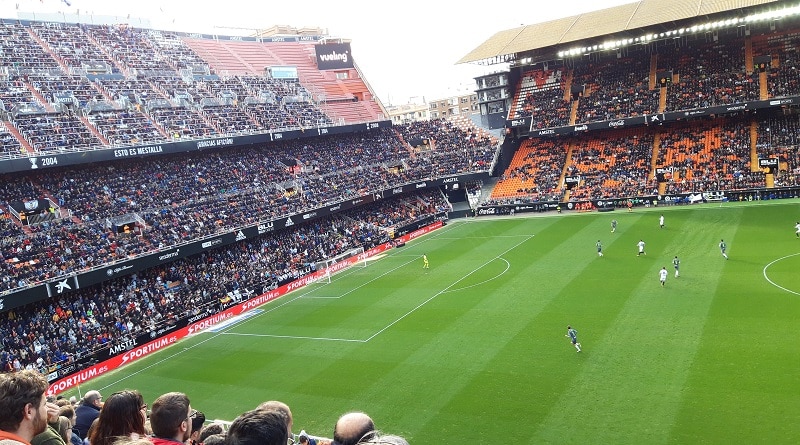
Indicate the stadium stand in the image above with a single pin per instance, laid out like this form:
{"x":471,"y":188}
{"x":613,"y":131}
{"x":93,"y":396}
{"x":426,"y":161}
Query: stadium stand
{"x":86,"y":87}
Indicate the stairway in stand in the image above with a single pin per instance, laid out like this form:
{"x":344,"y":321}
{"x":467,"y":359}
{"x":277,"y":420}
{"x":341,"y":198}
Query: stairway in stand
{"x":22,"y":141}
{"x":94,"y":131}
{"x":47,"y":105}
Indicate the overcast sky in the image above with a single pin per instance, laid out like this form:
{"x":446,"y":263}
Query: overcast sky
{"x":407,"y":50}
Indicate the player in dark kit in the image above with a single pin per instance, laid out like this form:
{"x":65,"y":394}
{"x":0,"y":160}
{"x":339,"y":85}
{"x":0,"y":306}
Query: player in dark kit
{"x":573,"y":337}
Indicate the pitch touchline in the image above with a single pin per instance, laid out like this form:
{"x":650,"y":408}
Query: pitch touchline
{"x":772,"y":282}
{"x":447,"y":288}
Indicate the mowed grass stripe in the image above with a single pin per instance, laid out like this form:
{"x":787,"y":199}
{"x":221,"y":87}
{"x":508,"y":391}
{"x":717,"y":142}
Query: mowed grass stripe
{"x":505,"y":389}
{"x":487,"y":361}
{"x":739,"y":386}
{"x":642,"y":358}
{"x":436,"y":353}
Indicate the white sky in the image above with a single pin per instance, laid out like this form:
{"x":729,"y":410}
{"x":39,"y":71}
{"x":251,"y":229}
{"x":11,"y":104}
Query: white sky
{"x":405,"y":49}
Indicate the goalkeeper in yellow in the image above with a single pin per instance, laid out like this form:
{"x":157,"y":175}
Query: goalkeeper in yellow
{"x":425,"y":264}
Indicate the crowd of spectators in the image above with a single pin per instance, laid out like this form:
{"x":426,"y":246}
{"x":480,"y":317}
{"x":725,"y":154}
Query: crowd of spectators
{"x":612,"y":165}
{"x":707,"y":74}
{"x":124,"y":418}
{"x":143,"y":90}
{"x":21,"y":53}
{"x":783,"y":71}
{"x":55,"y":132}
{"x":8,"y":143}
{"x":184,"y":198}
{"x":707,"y":156}
{"x":779,"y":137}
{"x":52,"y":333}
{"x":73,"y":48}
{"x":546,"y":107}
{"x":614,"y":89}
{"x":534,"y":172}
{"x":699,"y":156}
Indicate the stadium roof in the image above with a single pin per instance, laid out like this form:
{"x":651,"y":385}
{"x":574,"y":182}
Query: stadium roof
{"x":613,"y":20}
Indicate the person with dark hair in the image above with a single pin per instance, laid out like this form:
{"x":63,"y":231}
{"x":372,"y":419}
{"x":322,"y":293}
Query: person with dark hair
{"x":352,"y":428}
{"x":573,"y":337}
{"x":210,"y":430}
{"x":215,"y":439}
{"x":68,"y":412}
{"x":197,"y":424}
{"x":282,"y":409}
{"x":88,"y":410}
{"x":23,"y":406}
{"x":64,"y":429}
{"x":58,"y":432}
{"x":171,"y":418}
{"x":123,"y":415}
{"x":258,"y":427}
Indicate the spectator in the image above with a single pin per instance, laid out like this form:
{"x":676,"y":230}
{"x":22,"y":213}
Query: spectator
{"x":171,"y":418}
{"x":258,"y":427}
{"x":87,"y":411}
{"x":123,"y":415}
{"x":282,"y":409}
{"x":197,"y":425}
{"x":384,"y":439}
{"x":215,"y":439}
{"x":55,"y":434}
{"x":69,"y":412}
{"x":352,"y":428}
{"x":210,"y":430}
{"x":23,"y":406}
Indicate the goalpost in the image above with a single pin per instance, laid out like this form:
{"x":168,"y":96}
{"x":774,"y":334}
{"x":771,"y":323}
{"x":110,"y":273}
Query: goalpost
{"x":330,"y":265}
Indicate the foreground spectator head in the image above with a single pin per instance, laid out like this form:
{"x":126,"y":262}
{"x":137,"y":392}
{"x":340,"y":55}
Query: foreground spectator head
{"x":282,"y":409}
{"x":210,"y":430}
{"x":215,"y":439}
{"x":68,"y":412}
{"x":352,"y":428}
{"x":65,"y":428}
{"x":87,"y":411}
{"x":171,"y":418}
{"x":123,"y":415}
{"x":258,"y":427}
{"x":23,"y":408}
{"x":197,"y":424}
{"x":131,"y":441}
{"x":384,"y":439}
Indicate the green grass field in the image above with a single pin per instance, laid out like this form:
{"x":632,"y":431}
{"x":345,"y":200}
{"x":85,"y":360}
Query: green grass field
{"x":474,"y":350}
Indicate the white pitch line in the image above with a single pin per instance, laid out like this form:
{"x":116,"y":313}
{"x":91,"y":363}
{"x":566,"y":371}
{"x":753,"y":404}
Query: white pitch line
{"x":483,"y":237}
{"x":772,"y":282}
{"x":508,"y":266}
{"x":447,"y":288}
{"x":295,"y":337}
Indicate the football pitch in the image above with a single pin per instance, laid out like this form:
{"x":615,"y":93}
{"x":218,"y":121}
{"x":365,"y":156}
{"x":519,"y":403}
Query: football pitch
{"x":474,"y":350}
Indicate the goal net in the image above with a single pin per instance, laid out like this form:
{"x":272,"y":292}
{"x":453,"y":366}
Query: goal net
{"x":334,"y":265}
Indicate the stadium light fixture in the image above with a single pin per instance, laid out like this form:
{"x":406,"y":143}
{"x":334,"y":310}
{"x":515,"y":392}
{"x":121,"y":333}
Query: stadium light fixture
{"x":676,"y":33}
